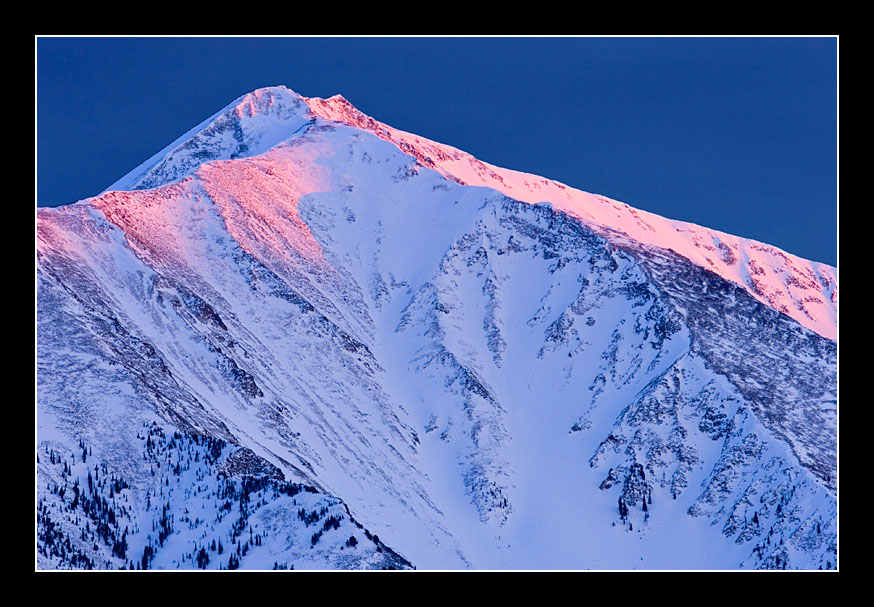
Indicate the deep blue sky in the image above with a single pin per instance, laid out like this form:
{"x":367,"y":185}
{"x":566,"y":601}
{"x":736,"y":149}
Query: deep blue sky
{"x":736,"y":134}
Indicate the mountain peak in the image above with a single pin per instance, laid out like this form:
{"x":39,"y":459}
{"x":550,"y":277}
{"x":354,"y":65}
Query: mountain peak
{"x":257,"y":121}
{"x":339,"y":109}
{"x":265,"y":100}
{"x":336,"y":302}
{"x":250,"y":125}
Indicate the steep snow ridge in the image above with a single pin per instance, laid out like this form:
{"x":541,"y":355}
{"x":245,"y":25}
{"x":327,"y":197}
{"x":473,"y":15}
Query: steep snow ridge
{"x":230,"y":291}
{"x":787,"y":373}
{"x":483,"y":402}
{"x":249,"y":126}
{"x":804,"y":290}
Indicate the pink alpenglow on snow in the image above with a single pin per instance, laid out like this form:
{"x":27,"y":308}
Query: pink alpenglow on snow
{"x":490,"y":369}
{"x":804,"y":290}
{"x":272,"y":117}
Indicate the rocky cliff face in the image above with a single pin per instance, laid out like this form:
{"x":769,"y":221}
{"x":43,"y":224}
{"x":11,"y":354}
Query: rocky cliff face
{"x":475,"y":380}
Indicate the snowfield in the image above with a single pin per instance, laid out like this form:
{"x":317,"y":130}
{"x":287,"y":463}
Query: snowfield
{"x":296,"y":325}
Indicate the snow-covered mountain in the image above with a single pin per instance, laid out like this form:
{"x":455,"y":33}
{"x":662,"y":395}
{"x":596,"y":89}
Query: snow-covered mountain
{"x":301,"y":326}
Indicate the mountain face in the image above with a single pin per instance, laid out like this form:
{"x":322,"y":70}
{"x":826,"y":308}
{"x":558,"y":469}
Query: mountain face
{"x":299,"y":338}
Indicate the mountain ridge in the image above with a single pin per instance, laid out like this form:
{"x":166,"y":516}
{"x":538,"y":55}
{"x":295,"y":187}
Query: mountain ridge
{"x":467,"y":372}
{"x":802,"y":289}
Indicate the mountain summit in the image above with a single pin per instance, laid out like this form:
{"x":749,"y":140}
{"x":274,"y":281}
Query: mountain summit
{"x":804,"y":290}
{"x":340,"y":345}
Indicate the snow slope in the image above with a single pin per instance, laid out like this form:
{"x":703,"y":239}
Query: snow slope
{"x":480,"y":365}
{"x":804,"y":290}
